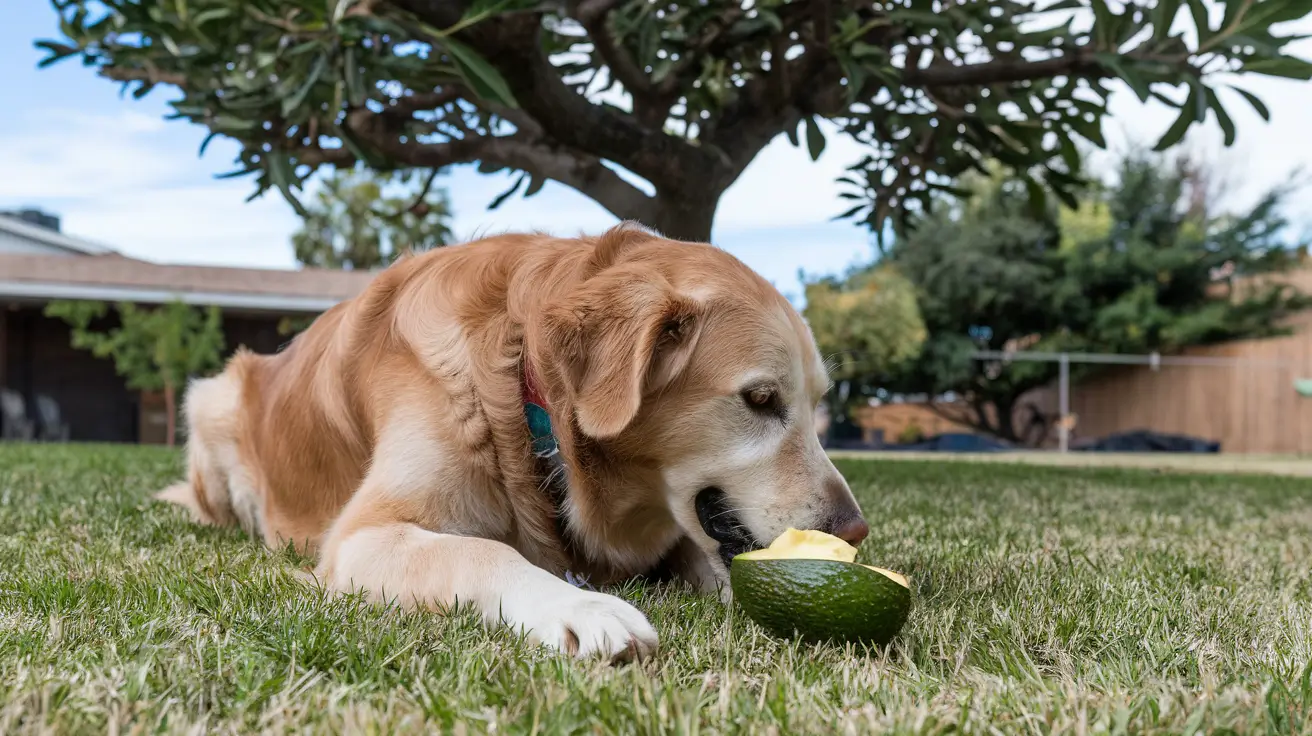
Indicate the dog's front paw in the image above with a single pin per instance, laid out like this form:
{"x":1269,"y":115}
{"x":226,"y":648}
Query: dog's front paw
{"x":587,"y":624}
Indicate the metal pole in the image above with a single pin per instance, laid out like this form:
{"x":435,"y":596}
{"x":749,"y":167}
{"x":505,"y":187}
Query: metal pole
{"x":1064,"y":402}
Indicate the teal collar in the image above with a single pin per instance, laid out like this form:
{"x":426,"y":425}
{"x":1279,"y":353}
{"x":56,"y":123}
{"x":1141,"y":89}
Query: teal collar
{"x":546,"y":450}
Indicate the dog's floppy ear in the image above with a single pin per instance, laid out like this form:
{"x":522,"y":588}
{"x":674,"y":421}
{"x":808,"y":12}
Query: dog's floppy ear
{"x":623,"y":334}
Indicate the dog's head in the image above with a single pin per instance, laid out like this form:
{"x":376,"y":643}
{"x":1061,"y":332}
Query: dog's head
{"x":678,"y":359}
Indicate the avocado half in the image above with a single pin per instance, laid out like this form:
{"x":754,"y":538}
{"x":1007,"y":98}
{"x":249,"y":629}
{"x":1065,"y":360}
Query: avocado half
{"x":807,"y":584}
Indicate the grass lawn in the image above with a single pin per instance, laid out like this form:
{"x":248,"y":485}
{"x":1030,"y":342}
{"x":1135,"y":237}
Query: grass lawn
{"x":1047,"y":600}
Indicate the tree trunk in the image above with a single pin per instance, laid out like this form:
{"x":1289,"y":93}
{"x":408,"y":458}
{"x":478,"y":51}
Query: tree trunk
{"x":1005,"y":406}
{"x":683,"y":218}
{"x":171,"y":419}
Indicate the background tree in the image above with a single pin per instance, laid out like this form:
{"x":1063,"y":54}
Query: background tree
{"x":1135,"y":269}
{"x":355,"y":222}
{"x":681,"y":95}
{"x":153,"y":349}
{"x":866,"y":326}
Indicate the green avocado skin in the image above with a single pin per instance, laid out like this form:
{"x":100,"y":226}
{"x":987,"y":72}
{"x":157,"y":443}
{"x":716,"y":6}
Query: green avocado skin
{"x":820,"y":600}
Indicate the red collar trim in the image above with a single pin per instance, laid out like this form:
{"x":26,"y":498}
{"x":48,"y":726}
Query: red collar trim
{"x":530,"y":387}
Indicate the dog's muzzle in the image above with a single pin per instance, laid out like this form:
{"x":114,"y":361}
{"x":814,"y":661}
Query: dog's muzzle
{"x":722,"y":524}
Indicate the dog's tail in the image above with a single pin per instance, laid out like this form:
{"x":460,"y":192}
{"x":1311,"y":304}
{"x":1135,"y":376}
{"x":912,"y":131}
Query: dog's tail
{"x":211,"y":407}
{"x":184,"y":495}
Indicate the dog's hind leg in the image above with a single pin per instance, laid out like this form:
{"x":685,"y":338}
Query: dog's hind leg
{"x":184,"y":495}
{"x":212,"y":409}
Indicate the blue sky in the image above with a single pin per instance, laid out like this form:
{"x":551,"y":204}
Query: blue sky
{"x":121,"y":175}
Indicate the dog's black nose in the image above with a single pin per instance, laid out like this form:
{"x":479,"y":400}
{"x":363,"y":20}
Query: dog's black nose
{"x":852,"y":529}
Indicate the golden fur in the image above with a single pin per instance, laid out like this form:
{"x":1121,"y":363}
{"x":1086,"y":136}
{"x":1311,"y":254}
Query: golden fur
{"x":389,"y":439}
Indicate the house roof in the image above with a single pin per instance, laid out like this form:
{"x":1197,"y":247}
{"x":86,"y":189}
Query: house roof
{"x":51,"y":238}
{"x":112,"y":277}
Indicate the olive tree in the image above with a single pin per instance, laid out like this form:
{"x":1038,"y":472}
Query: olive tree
{"x":653,"y":108}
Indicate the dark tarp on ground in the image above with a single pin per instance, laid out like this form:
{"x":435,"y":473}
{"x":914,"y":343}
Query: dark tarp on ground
{"x":1147,"y":441}
{"x":1135,"y":441}
{"x":951,"y":442}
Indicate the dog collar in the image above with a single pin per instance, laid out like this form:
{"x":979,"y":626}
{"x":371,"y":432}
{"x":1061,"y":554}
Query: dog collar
{"x":545,"y":449}
{"x":542,"y":439}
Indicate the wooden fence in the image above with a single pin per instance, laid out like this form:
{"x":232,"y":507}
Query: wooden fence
{"x":1249,"y":407}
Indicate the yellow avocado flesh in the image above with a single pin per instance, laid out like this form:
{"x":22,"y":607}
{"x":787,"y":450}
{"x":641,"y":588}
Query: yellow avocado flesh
{"x":809,"y":544}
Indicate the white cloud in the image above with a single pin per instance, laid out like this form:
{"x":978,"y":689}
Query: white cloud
{"x":115,"y":179}
{"x":207,"y":224}
{"x":63,"y":154}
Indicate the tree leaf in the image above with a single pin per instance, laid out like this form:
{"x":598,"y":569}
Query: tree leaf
{"x":1069,"y":152}
{"x":1163,"y":15}
{"x":1176,"y":132}
{"x":1091,"y":131}
{"x":354,"y":76}
{"x":501,"y":198}
{"x":1232,"y":10}
{"x":1127,"y":74}
{"x":1103,"y":25}
{"x":205,"y":143}
{"x":58,"y":52}
{"x":283,"y":175}
{"x":1222,"y":117}
{"x":791,"y":132}
{"x":485,"y":80}
{"x":291,"y":102}
{"x":1270,"y":12}
{"x":205,"y":16}
{"x":1065,"y":194}
{"x":1198,"y":96}
{"x":1199,"y":10}
{"x":534,"y":186}
{"x":1038,"y":198}
{"x":1284,"y":66}
{"x":815,"y":140}
{"x":244,"y":171}
{"x":851,"y":212}
{"x":1255,"y":102}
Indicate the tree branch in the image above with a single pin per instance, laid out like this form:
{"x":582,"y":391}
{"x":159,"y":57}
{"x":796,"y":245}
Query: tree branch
{"x":708,"y":42}
{"x":423,"y":193}
{"x":149,"y":74}
{"x":584,"y":173}
{"x":592,"y":15}
{"x":512,"y":43}
{"x":1003,"y":72}
{"x":775,"y":102}
{"x":419,"y":101}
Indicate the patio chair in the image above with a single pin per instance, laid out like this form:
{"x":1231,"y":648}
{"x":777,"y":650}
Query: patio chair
{"x":14,"y":424}
{"x":53,"y":427}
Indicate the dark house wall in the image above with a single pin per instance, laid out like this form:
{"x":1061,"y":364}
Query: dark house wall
{"x":94,"y":400}
{"x":257,"y":332}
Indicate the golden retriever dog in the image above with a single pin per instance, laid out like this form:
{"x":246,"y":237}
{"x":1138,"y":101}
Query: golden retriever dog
{"x":486,"y":421}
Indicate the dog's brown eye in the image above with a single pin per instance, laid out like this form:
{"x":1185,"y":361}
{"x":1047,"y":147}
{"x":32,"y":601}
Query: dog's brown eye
{"x":761,"y":397}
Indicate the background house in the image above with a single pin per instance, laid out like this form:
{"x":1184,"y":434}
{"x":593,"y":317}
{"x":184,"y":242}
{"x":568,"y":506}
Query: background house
{"x":39,"y":264}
